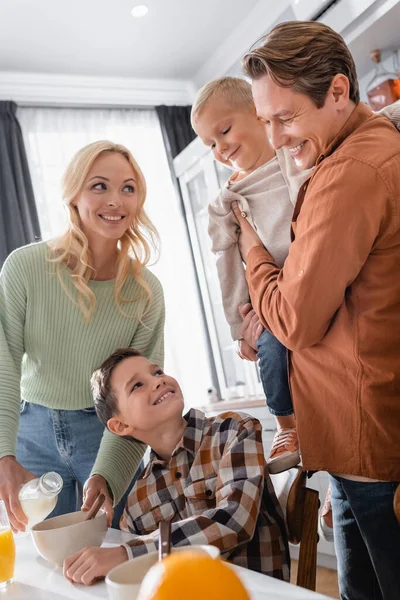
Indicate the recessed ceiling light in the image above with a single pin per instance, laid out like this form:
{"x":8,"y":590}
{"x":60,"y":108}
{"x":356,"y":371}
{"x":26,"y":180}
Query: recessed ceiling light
{"x":139,"y":11}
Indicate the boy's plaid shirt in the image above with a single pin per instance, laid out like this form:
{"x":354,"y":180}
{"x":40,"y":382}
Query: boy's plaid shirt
{"x":216,"y":490}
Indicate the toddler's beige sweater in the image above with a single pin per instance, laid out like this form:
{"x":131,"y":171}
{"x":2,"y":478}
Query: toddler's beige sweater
{"x":267,"y":196}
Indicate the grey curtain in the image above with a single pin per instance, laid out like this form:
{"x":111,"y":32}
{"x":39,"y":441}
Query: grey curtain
{"x":19,"y":222}
{"x":176,"y":128}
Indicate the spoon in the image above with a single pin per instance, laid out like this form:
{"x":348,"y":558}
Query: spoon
{"x":97,"y":504}
{"x":164,"y":539}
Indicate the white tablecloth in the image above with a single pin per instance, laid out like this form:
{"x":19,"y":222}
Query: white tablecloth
{"x":36,"y":579}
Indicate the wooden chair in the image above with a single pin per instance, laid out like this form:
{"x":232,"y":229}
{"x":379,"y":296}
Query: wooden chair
{"x":300,"y":507}
{"x":396,"y":503}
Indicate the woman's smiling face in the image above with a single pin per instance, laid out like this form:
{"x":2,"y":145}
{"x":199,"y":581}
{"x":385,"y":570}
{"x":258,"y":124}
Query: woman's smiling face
{"x":107,"y":203}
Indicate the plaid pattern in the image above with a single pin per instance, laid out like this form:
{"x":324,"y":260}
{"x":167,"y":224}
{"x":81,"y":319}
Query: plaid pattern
{"x":216,"y":490}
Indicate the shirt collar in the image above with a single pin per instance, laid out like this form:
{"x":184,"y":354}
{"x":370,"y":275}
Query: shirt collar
{"x":360,"y":114}
{"x":190,"y":441}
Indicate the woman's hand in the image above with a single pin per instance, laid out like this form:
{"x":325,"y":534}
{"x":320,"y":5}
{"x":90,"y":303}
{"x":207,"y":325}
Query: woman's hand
{"x":93,"y":487}
{"x":12,"y":477}
{"x":248,"y":238}
{"x":90,"y":564}
{"x":251,"y":328}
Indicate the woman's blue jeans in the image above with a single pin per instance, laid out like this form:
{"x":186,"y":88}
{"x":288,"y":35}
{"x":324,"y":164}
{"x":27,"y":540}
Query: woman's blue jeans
{"x":65,"y":441}
{"x":367,"y":539}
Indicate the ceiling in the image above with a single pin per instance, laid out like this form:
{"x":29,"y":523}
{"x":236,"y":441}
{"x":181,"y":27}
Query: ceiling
{"x":101,"y":38}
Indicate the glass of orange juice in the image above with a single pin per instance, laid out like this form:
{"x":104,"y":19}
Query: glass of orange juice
{"x":7,"y":548}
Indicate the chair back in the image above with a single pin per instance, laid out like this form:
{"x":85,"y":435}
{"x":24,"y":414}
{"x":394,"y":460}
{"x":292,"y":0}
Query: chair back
{"x":300,"y":508}
{"x":396,"y":503}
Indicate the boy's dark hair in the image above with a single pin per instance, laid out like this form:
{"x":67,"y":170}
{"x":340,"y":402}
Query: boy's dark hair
{"x":105,"y":401}
{"x":305,"y":56}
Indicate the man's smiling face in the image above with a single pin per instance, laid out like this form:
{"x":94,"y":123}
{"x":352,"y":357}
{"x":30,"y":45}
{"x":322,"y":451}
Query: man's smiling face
{"x":295,"y":122}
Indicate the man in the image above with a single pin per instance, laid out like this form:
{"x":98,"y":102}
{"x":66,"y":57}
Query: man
{"x":336,"y":302}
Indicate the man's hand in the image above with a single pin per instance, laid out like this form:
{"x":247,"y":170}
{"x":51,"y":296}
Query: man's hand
{"x":90,"y":564}
{"x":251,"y":328}
{"x":248,"y":238}
{"x":246,"y":352}
{"x":93,"y":487}
{"x":12,"y":477}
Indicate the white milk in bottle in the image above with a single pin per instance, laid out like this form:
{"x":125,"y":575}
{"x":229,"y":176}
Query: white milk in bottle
{"x":39,"y":496}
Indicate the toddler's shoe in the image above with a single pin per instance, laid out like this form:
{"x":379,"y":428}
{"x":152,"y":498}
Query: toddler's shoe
{"x":284,"y":453}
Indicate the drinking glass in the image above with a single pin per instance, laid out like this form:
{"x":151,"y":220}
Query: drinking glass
{"x":7,"y":549}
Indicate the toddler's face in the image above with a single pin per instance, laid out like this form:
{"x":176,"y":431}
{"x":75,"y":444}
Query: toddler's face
{"x":235,"y":135}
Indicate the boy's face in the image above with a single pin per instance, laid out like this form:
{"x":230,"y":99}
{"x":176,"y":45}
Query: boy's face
{"x":146,"y":397}
{"x":235,"y":135}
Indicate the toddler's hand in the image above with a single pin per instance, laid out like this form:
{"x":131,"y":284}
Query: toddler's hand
{"x":90,"y":564}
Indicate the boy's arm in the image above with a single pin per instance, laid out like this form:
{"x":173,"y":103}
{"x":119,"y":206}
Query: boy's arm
{"x":238,"y":493}
{"x":223,"y":232}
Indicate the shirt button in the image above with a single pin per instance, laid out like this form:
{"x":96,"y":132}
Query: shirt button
{"x":178,"y":475}
{"x":208,"y":493}
{"x":301,"y":272}
{"x":244,"y":214}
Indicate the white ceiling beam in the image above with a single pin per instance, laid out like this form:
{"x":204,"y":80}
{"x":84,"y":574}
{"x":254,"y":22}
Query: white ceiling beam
{"x":43,"y":89}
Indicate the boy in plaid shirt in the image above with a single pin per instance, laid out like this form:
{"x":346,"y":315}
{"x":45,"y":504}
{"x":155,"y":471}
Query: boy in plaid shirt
{"x":207,"y":475}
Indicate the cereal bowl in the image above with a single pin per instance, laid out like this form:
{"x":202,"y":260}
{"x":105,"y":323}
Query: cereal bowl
{"x":124,"y":581}
{"x":57,"y":538}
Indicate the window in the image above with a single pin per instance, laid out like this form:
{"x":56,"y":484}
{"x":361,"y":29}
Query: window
{"x":52,"y":136}
{"x":200,"y":177}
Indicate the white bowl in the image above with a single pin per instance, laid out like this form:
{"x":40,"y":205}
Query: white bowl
{"x":124,"y":581}
{"x":57,"y":538}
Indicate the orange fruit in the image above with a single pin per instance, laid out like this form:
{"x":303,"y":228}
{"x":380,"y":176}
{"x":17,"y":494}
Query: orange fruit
{"x":191,"y":576}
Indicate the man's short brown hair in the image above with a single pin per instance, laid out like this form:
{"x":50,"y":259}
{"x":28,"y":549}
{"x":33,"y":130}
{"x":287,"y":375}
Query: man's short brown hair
{"x":104,"y":398}
{"x":305,"y":56}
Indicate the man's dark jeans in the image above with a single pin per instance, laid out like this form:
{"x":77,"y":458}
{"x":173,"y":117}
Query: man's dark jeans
{"x":367,"y":539}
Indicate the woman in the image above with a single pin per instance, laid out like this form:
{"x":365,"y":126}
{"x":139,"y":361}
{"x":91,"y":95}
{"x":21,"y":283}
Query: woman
{"x":65,"y":305}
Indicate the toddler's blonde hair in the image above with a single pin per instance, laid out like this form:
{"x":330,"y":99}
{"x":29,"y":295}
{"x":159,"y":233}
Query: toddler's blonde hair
{"x":234,"y":90}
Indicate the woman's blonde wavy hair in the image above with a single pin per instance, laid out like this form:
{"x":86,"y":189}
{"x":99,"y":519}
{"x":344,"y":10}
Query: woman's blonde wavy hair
{"x":72,"y":248}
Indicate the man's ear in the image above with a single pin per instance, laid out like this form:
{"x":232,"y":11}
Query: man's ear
{"x":118,"y":427}
{"x":340,"y":90}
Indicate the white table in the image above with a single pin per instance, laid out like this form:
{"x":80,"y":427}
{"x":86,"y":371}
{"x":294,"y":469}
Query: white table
{"x":36,"y":579}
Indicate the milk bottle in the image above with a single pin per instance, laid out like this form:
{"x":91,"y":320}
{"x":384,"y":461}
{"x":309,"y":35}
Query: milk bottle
{"x":39,"y":496}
